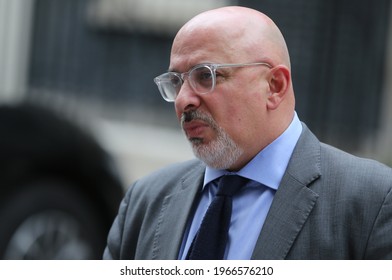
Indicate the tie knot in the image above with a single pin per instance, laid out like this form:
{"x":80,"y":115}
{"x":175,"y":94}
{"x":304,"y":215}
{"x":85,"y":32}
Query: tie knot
{"x":228,"y":185}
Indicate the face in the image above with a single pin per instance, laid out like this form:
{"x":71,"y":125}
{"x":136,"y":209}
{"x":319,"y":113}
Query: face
{"x":225,"y":127}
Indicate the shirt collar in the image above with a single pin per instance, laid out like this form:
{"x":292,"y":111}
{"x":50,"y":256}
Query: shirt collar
{"x":269,"y":165}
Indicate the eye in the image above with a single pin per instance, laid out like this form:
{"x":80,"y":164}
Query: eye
{"x":175,"y":81}
{"x":202,"y":77}
{"x":202,"y":74}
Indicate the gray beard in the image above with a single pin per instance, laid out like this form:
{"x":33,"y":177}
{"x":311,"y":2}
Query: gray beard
{"x":221,"y":153}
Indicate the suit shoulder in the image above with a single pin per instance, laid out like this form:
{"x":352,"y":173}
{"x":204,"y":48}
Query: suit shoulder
{"x":339,"y":157}
{"x":174,"y":171}
{"x":165,"y":179}
{"x":357,"y":169}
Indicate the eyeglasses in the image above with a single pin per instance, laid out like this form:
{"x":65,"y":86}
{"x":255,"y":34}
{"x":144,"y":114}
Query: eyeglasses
{"x":201,"y":78}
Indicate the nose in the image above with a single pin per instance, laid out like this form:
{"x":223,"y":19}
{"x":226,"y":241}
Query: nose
{"x":187,"y":99}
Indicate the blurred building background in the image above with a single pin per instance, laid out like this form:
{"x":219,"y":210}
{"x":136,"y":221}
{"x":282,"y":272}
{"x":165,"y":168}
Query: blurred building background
{"x":93,"y":61}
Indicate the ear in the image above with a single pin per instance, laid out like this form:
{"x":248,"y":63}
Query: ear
{"x":279,"y":81}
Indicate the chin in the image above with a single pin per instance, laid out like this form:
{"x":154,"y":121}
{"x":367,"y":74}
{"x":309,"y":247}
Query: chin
{"x":216,"y":155}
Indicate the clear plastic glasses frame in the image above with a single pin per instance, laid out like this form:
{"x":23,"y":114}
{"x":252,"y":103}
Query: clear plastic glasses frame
{"x":201,"y":78}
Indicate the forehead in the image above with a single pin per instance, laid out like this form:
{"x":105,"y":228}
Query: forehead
{"x":195,"y":46}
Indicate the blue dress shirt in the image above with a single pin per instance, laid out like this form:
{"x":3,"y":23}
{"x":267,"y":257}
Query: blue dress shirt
{"x":251,"y":205}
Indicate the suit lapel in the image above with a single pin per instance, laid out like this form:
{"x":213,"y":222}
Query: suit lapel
{"x":174,"y":214}
{"x":293,"y":201}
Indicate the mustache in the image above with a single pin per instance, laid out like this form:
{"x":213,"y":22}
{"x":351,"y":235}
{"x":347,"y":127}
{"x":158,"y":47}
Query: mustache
{"x":197,"y":115}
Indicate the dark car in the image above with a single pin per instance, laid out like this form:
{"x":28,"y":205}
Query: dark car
{"x":59,"y":193}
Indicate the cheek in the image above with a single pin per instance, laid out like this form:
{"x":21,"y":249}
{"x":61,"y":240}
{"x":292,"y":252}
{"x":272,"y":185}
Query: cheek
{"x":236,"y":121}
{"x":244,"y":120}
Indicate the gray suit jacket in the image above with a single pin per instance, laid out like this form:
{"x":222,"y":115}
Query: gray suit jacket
{"x":329,"y":205}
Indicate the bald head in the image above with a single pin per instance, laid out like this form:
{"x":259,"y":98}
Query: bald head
{"x":245,"y":103}
{"x":245,"y":34}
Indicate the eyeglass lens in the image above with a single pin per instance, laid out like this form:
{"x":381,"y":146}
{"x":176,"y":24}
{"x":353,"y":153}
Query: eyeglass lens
{"x":200,"y":78}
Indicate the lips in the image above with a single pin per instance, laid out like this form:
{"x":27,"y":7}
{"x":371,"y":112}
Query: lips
{"x":195,"y":128}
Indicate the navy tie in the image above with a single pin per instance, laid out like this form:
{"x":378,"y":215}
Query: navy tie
{"x":211,"y":238}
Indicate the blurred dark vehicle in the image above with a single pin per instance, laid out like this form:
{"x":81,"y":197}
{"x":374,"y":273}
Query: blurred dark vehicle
{"x":58,"y":192}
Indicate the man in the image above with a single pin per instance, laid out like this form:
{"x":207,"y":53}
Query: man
{"x":230,"y":79}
